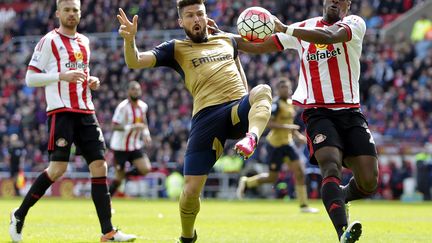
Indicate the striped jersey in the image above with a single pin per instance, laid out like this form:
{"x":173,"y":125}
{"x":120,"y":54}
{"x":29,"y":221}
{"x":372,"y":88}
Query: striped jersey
{"x":56,"y":53}
{"x":126,"y":114}
{"x":329,"y":74}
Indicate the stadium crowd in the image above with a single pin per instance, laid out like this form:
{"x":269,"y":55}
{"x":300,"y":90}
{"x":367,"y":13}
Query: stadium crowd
{"x":395,"y":82}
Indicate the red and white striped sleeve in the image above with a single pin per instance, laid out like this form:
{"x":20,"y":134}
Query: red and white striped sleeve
{"x":41,"y":55}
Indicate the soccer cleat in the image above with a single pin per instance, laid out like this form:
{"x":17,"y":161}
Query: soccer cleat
{"x":352,"y":233}
{"x":347,"y":206}
{"x":307,"y":209}
{"x":188,"y":240}
{"x":246,"y":146}
{"x":15,"y":227}
{"x":241,"y":187}
{"x":117,"y":236}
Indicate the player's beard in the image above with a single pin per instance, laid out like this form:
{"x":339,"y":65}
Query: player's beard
{"x":134,"y":98}
{"x":70,"y":24}
{"x":198,"y":38}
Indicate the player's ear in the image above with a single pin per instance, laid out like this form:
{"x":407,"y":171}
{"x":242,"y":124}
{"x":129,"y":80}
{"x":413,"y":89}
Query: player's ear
{"x":57,"y":13}
{"x":180,"y":22}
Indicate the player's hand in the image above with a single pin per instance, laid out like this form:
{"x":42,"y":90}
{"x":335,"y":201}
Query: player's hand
{"x":94,"y":83}
{"x":127,"y":29}
{"x":279,"y":26}
{"x":73,"y":76}
{"x":212,"y":27}
{"x":138,"y":126}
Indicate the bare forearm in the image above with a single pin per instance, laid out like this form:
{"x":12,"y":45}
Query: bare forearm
{"x":317,"y":35}
{"x":131,"y":53}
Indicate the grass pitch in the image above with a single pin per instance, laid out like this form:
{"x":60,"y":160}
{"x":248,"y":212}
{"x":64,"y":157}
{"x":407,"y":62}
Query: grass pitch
{"x":74,"y":220}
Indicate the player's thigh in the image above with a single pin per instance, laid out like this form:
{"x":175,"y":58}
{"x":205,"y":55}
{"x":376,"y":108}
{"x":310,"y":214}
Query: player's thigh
{"x":206,"y":139}
{"x":89,"y":138}
{"x":120,"y":159}
{"x":61,"y":128}
{"x":140,"y":160}
{"x":275,"y":157}
{"x":322,"y":134}
{"x":358,"y":138}
{"x":239,"y":122}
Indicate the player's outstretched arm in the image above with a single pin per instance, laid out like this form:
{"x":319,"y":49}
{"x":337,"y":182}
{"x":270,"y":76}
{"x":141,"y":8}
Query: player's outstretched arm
{"x":256,"y":48}
{"x":128,"y":30}
{"x":331,"y":35}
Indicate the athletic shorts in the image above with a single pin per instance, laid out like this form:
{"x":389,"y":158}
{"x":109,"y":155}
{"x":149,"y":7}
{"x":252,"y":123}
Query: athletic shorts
{"x":121,"y":157}
{"x":345,"y":129}
{"x":211,"y":127}
{"x":80,"y":129}
{"x":276,"y":155}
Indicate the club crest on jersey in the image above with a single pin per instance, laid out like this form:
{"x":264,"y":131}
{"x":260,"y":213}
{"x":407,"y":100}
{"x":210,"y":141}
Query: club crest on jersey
{"x":61,"y":142}
{"x":78,"y":56}
{"x":321,"y":46}
{"x":319,"y":138}
{"x":322,"y":53}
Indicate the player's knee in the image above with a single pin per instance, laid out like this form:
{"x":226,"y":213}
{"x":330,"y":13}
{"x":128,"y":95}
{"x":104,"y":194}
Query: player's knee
{"x":368,"y":183}
{"x":98,"y":168}
{"x":261,"y":92}
{"x":191,"y":192}
{"x":55,"y":172}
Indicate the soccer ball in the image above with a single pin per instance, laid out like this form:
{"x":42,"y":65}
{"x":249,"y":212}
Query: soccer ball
{"x":255,"y":24}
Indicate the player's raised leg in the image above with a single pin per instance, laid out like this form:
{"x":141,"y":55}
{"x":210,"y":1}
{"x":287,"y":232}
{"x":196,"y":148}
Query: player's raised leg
{"x":260,"y":100}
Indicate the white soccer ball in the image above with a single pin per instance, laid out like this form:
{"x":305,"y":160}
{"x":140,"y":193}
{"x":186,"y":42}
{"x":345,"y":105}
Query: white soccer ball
{"x":255,"y":24}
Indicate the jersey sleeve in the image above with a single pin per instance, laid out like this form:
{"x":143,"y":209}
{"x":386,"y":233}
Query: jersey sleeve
{"x":235,"y":45}
{"x":284,"y":41}
{"x":144,"y":107}
{"x":41,"y":55}
{"x":355,"y":27}
{"x":275,"y":108}
{"x":119,"y":116}
{"x":164,"y":54}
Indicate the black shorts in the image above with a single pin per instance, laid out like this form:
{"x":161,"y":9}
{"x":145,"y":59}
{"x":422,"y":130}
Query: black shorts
{"x":211,"y":127}
{"x":121,"y":157}
{"x":345,"y":129}
{"x":83,"y":130}
{"x":276,"y":155}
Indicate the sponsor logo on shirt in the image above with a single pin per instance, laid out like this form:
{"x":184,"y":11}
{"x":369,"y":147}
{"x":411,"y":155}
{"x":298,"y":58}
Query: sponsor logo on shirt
{"x":322,"y":54}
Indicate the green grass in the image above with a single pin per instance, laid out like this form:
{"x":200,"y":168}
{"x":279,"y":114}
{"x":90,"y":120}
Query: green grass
{"x":58,"y":220}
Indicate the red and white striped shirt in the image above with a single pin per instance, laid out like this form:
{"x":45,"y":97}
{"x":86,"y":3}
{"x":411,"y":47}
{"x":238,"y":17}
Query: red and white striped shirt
{"x":57,"y":53}
{"x":125,"y":114}
{"x":329,"y":75}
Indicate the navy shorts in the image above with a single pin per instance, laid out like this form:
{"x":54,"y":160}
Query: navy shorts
{"x":121,"y":157}
{"x":211,"y":127}
{"x":276,"y":155}
{"x":83,"y":130}
{"x":345,"y":129}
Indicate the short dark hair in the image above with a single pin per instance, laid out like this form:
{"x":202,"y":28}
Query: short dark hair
{"x":184,"y":3}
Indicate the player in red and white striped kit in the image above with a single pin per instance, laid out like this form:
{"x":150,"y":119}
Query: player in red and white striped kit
{"x":60,"y":63}
{"x":130,"y":135}
{"x":328,"y":88}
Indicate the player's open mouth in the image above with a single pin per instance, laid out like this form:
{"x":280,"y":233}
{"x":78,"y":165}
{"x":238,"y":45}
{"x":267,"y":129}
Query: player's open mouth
{"x":334,"y":7}
{"x":196,"y":27}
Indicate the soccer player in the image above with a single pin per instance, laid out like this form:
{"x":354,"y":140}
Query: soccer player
{"x":280,"y":145}
{"x":338,"y":135}
{"x":222,"y":108}
{"x":130,"y":134}
{"x":60,"y":63}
